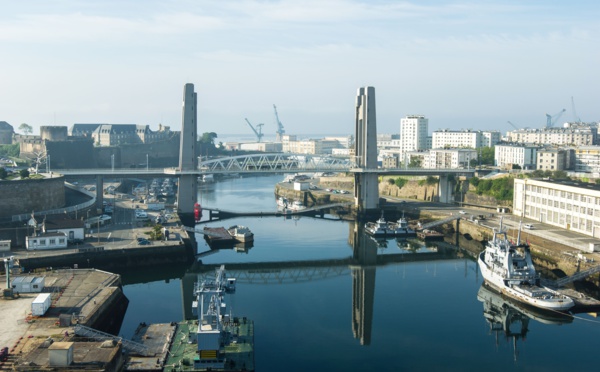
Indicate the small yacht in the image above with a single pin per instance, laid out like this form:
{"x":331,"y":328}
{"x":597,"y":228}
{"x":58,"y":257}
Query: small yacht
{"x":401,"y":229}
{"x":379,"y":227}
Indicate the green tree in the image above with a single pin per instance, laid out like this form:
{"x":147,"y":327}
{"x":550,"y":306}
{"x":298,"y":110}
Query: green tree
{"x":10,"y":151}
{"x":24,"y":173}
{"x":400,"y":182}
{"x":474,"y":181}
{"x":3,"y":173}
{"x":415,"y":162}
{"x":487,"y":155}
{"x":26,"y":128}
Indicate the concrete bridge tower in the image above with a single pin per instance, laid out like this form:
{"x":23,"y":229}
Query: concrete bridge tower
{"x":187,"y":194}
{"x":366,"y":188}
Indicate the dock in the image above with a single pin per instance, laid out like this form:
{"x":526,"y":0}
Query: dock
{"x":157,"y":338}
{"x":429,"y":235}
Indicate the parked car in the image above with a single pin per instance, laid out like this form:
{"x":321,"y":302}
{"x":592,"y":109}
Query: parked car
{"x":528,"y":226}
{"x":144,"y":242}
{"x":462,"y":212}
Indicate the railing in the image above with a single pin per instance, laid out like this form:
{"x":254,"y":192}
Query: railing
{"x":128,"y":345}
{"x":577,"y":276}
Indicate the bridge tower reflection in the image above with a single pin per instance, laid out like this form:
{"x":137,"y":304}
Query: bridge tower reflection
{"x":363,"y":282}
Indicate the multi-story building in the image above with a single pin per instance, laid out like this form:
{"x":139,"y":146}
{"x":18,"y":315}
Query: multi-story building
{"x":117,"y":134}
{"x":390,"y":162}
{"x":312,"y":146}
{"x":570,"y":205}
{"x":464,"y":138}
{"x":570,"y":136}
{"x":587,"y":159}
{"x":552,"y":159}
{"x":449,"y":158}
{"x":413,"y":133}
{"x":525,"y":156}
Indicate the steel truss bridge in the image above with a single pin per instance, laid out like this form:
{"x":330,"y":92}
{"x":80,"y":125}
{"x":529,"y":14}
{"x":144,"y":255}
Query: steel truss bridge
{"x":266,"y":163}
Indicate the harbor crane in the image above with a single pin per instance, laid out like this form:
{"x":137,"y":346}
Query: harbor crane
{"x":280,"y":131}
{"x":552,"y":119}
{"x":258,"y":132}
{"x":512,"y":125}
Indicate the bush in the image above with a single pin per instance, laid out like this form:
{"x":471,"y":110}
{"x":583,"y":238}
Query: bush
{"x":24,"y":173}
{"x":400,"y":182}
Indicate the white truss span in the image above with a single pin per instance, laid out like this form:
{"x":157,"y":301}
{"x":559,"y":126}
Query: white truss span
{"x":276,"y":163}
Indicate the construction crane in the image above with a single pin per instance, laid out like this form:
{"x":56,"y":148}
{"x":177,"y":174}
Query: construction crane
{"x":258,"y":132}
{"x":512,"y":125}
{"x":280,"y":131}
{"x":552,"y":119}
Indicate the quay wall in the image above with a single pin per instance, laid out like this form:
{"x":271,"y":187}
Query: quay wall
{"x":113,"y":258}
{"x":23,"y":196}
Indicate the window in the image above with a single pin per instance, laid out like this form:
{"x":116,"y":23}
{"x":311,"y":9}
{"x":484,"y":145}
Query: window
{"x":42,"y":241}
{"x":52,"y":241}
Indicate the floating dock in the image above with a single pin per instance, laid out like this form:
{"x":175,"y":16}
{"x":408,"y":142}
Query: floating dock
{"x":429,"y":235}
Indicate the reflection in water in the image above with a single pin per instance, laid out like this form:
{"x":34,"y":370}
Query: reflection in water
{"x":512,"y":318}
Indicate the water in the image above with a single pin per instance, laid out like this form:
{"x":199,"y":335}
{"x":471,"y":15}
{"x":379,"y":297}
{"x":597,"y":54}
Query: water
{"x":402,"y":316}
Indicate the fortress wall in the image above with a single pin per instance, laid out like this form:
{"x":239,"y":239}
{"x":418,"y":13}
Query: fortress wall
{"x":25,"y":196}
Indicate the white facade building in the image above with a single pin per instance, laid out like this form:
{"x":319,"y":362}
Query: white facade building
{"x":524,"y":156}
{"x":587,"y":159}
{"x":449,"y":158}
{"x":566,"y":204}
{"x":572,"y":136}
{"x":413,"y":133}
{"x":464,"y":138}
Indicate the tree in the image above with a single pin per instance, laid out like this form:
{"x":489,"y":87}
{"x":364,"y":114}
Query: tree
{"x":26,"y":128}
{"x":24,"y":173}
{"x":208,"y":138}
{"x":487,"y":155}
{"x":3,"y":173}
{"x":415,"y":163}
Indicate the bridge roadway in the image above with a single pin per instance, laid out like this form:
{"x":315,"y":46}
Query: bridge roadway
{"x":219,"y":214}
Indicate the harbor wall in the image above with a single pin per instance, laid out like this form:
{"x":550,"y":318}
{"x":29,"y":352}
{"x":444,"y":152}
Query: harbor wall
{"x":24,"y":196}
{"x":113,"y":258}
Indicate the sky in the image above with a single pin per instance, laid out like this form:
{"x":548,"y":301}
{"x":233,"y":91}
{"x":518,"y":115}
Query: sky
{"x":463,"y":64}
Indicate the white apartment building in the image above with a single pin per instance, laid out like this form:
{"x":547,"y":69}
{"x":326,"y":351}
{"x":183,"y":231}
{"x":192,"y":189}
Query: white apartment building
{"x":448,"y":158}
{"x":522,"y":155}
{"x":566,"y":204}
{"x":446,"y":138}
{"x":413,"y":133}
{"x":572,"y":136}
{"x":290,"y":143}
{"x":587,"y":159}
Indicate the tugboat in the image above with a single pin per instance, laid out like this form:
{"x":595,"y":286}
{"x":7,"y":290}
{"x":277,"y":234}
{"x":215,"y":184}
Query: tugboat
{"x":509,"y":269}
{"x":379,"y":228}
{"x":401,"y":229}
{"x":216,"y":341}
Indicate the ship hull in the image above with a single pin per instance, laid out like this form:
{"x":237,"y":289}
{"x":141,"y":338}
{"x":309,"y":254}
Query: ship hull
{"x":496,"y":281}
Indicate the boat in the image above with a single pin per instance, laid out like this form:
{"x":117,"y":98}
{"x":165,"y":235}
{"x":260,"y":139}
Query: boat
{"x":241,"y":233}
{"x":401,"y":228}
{"x":216,"y":340}
{"x":282,"y":202}
{"x":379,"y":227}
{"x":509,"y":269}
{"x":297,"y":205}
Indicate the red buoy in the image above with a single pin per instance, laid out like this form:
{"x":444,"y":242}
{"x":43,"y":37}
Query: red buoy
{"x":197,"y":212}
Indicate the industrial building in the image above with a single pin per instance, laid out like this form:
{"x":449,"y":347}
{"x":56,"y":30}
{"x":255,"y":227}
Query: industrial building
{"x":569,"y":205}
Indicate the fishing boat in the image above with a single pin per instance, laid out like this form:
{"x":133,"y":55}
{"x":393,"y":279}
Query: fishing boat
{"x":241,"y":233}
{"x":401,"y":228}
{"x":297,"y":205}
{"x":509,"y":269}
{"x":379,"y":227}
{"x":282,"y":202}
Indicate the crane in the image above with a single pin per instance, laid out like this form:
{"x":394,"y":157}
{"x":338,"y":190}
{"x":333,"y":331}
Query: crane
{"x":512,"y":125}
{"x":551,"y":119}
{"x":280,"y":130}
{"x":258,"y":132}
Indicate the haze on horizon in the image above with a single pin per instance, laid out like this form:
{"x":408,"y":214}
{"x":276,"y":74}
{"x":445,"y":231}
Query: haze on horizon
{"x":462,"y":64}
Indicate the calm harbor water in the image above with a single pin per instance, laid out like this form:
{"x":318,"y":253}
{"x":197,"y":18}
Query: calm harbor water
{"x":392,"y":316}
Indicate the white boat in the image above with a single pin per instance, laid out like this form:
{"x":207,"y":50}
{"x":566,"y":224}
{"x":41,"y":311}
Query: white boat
{"x":283,"y":202}
{"x":297,"y":205}
{"x":379,"y":227}
{"x":401,"y":229}
{"x":241,"y":233}
{"x":509,"y":269}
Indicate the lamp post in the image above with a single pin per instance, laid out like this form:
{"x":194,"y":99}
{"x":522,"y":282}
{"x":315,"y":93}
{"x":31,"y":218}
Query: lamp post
{"x":112,"y":162}
{"x":146,"y":162}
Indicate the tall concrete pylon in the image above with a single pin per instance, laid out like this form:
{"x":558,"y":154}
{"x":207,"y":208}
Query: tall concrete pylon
{"x":187,"y":194}
{"x":366,"y":187}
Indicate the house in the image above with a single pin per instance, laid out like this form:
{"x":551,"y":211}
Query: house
{"x":41,"y":241}
{"x":72,"y":229}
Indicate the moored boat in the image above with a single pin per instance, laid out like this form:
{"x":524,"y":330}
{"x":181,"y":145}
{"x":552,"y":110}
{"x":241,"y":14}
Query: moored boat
{"x":379,"y":227}
{"x":401,"y":228}
{"x":509,"y":269}
{"x":241,"y":233}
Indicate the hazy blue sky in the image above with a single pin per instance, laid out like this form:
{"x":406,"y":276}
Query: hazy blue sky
{"x":463,"y":64}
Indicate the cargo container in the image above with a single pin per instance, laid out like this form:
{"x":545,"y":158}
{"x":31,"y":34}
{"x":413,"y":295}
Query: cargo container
{"x":41,"y":304}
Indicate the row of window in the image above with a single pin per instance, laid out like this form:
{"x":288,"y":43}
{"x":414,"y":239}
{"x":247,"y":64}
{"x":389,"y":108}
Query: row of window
{"x":51,"y":241}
